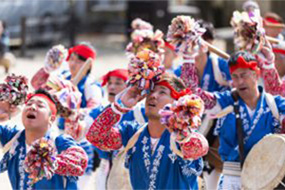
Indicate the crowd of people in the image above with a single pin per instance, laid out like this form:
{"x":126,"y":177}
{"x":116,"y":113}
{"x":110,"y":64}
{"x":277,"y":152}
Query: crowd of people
{"x":163,"y":127}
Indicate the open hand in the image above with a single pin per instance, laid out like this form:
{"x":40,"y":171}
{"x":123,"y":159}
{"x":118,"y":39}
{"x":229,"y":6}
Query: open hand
{"x":131,"y":96}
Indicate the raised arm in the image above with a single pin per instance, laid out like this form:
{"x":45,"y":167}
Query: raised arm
{"x":40,"y":79}
{"x":72,"y":162}
{"x":102,"y":134}
{"x":190,"y":77}
{"x":272,"y":82}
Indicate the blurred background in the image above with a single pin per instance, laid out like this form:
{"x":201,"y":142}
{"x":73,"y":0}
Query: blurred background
{"x":46,"y":22}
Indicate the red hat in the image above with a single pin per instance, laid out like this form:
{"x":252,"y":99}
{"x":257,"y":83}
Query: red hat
{"x":82,"y":50}
{"x":120,"y":73}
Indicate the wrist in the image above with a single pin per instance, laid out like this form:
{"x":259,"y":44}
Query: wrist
{"x":119,"y":107}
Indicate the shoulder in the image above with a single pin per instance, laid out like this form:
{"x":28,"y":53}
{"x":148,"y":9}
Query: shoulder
{"x":224,"y":98}
{"x":64,"y":142}
{"x":7,"y":132}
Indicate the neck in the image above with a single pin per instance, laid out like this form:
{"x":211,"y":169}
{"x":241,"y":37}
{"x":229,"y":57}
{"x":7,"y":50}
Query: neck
{"x":251,"y":101}
{"x":155,"y":128}
{"x":32,"y":135}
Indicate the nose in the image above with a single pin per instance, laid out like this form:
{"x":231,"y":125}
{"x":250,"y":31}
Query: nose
{"x":32,"y":107}
{"x":238,"y":81}
{"x":111,"y":87}
{"x":153,"y":95}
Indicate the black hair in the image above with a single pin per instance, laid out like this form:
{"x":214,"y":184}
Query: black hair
{"x":176,"y":82}
{"x":46,"y":93}
{"x":210,"y":30}
{"x":246,"y":55}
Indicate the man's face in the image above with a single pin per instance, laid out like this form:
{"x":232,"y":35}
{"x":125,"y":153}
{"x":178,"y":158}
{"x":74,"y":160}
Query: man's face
{"x":37,"y":114}
{"x":245,"y":81}
{"x":75,"y":63}
{"x":114,"y":86}
{"x":156,"y":100}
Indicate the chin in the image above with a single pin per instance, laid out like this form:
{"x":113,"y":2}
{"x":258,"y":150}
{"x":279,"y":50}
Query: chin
{"x":111,"y":99}
{"x":152,"y":115}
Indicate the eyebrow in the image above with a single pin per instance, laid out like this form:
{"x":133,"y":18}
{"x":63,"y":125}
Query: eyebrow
{"x":37,"y":101}
{"x":163,"y":87}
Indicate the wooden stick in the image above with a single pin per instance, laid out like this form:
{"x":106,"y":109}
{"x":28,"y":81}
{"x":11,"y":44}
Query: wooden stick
{"x":273,"y":40}
{"x":82,"y":72}
{"x":216,"y":50}
{"x":276,"y":26}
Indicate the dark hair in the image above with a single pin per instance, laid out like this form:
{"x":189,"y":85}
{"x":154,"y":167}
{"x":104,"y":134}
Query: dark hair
{"x":173,"y":80}
{"x":210,"y":30}
{"x":246,"y":55}
{"x":46,"y":93}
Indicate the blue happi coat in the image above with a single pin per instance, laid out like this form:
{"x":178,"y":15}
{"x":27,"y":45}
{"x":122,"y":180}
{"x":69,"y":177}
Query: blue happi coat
{"x":163,"y":169}
{"x":208,"y":81}
{"x":13,"y":161}
{"x":262,"y":123}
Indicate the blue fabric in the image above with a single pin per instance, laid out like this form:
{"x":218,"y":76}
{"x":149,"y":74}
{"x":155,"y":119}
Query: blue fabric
{"x":208,"y":81}
{"x":14,"y":162}
{"x":163,"y":169}
{"x":262,"y":123}
{"x":81,"y":88}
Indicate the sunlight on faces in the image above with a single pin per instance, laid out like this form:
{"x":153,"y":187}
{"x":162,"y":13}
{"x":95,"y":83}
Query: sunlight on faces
{"x":114,"y":86}
{"x":245,"y":81}
{"x":75,"y":63}
{"x":37,"y":114}
{"x":156,"y":100}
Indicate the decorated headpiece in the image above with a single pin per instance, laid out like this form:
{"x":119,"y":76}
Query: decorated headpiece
{"x":82,"y":50}
{"x":120,"y":73}
{"x":173,"y":93}
{"x":242,"y":63}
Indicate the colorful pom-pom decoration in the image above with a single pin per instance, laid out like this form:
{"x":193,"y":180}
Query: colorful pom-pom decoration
{"x":55,"y":57}
{"x":249,"y":34}
{"x":184,"y":113}
{"x":184,"y":33}
{"x":145,"y":69}
{"x":139,"y":24}
{"x":14,"y":90}
{"x":66,"y":93}
{"x":41,"y":161}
